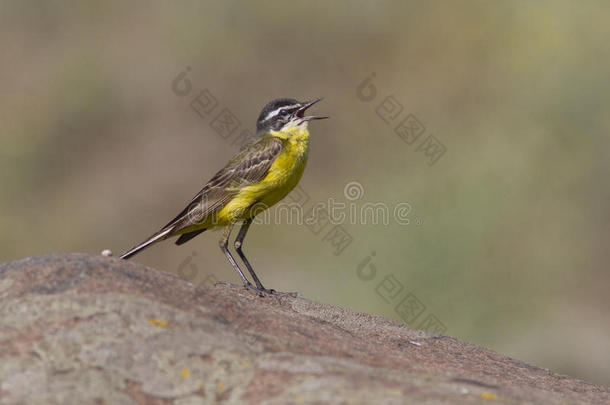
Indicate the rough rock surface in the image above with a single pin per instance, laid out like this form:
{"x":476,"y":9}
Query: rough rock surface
{"x":81,"y":329}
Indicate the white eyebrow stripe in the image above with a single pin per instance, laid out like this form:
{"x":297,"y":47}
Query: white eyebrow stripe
{"x":276,"y":112}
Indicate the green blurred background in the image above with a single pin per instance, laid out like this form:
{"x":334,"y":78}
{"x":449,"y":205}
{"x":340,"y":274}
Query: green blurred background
{"x":507,"y":244}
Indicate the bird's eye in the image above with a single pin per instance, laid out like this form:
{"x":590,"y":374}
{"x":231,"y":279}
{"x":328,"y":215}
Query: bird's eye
{"x":283,"y":112}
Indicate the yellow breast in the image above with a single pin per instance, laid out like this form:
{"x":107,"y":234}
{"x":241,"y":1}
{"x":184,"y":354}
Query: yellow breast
{"x":283,"y":176}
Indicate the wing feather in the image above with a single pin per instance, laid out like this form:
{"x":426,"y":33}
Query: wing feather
{"x":249,"y":166}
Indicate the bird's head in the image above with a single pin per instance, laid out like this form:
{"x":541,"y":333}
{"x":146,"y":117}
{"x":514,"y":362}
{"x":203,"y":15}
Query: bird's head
{"x":285,"y":113}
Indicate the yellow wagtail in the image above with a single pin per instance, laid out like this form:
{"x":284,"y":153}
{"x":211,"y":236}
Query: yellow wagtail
{"x":263,"y":173}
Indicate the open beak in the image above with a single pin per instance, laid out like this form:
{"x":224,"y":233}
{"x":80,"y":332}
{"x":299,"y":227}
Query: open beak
{"x":306,"y":105}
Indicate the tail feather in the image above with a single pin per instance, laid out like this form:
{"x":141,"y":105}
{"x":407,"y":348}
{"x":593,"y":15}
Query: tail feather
{"x":185,"y":237}
{"x":157,"y":237}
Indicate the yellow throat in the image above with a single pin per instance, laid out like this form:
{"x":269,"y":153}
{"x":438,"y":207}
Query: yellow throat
{"x":283,"y":176}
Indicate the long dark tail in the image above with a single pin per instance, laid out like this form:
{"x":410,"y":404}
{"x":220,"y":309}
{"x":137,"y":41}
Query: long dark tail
{"x":157,"y":237}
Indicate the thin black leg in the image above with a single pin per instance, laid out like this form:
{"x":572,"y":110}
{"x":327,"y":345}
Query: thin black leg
{"x":224,"y":243}
{"x":239,"y":241}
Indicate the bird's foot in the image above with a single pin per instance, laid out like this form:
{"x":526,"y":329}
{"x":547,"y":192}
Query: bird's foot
{"x":262,"y":291}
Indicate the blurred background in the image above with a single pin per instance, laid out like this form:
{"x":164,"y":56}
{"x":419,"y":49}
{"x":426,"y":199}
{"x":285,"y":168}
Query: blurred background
{"x":489,"y":119}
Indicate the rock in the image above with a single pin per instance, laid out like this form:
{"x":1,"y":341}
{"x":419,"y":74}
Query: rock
{"x":81,"y":329}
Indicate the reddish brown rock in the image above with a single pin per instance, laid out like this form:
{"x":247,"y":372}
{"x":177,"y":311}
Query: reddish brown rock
{"x":80,"y":329}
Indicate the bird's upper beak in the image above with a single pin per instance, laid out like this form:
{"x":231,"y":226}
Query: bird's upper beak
{"x":305,"y":106}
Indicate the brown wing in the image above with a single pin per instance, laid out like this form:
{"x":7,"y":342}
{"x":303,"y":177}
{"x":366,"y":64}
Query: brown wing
{"x":249,"y":166}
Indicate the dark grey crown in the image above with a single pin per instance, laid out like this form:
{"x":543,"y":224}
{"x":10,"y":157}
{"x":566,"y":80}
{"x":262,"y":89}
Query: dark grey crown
{"x":277,"y":113}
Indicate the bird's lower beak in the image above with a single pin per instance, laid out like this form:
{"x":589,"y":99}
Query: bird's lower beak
{"x":306,"y":105}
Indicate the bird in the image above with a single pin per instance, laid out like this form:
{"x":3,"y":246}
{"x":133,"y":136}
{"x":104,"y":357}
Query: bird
{"x":256,"y":178}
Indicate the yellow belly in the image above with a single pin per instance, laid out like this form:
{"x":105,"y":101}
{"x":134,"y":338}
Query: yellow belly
{"x":283,"y":176}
